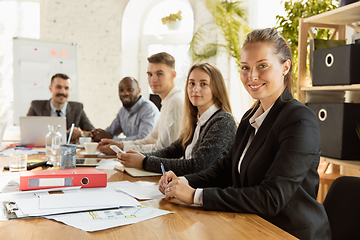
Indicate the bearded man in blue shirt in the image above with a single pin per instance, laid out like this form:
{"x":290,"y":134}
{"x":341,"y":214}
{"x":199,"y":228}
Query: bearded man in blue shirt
{"x":136,"y":119}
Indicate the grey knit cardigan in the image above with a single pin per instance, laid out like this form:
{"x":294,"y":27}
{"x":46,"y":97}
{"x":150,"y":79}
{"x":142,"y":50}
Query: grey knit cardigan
{"x":215,"y":140}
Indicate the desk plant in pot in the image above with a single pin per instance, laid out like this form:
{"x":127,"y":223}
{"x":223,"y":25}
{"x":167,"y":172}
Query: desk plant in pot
{"x":172,"y":21}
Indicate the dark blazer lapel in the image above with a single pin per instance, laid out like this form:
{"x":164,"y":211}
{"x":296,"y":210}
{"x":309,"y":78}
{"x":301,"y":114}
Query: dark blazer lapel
{"x":261,"y":134}
{"x":47,"y":109}
{"x":69,"y":116}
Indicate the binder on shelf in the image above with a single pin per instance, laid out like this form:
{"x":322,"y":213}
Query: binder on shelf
{"x":338,"y":123}
{"x":336,"y":65}
{"x":86,"y":178}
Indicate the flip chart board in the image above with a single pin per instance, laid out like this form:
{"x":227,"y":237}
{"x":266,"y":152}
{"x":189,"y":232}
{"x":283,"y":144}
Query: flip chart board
{"x":35,"y":62}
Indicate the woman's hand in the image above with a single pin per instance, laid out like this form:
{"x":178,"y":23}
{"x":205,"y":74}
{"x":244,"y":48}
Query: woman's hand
{"x":172,"y":186}
{"x":131,"y":159}
{"x":165,"y":179}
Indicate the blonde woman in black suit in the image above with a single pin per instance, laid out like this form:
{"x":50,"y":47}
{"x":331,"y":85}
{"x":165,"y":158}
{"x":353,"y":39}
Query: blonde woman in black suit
{"x":271,"y":169}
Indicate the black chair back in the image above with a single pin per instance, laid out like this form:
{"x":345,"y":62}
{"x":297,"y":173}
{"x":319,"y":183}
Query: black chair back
{"x":342,"y":205}
{"x":156,"y":100}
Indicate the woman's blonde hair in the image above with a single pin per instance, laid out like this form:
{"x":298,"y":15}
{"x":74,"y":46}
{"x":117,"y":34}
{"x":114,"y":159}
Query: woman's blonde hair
{"x":281,"y":49}
{"x":220,"y":96}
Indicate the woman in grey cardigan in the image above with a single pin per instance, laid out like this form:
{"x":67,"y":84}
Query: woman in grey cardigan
{"x":208,"y":128}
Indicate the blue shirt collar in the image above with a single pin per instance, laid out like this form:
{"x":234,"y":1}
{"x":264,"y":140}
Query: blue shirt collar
{"x":53,"y":109}
{"x":137,"y":105}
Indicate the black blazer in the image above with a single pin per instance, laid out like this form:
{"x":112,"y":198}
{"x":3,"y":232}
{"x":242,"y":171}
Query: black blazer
{"x":278,"y":177}
{"x":74,"y":113}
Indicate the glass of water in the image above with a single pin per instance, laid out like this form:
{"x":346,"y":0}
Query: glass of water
{"x":18,"y":162}
{"x":67,"y":155}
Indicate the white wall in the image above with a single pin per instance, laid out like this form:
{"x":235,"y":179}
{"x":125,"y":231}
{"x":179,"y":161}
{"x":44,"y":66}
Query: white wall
{"x":262,"y":13}
{"x":103,"y":58}
{"x":95,"y":25}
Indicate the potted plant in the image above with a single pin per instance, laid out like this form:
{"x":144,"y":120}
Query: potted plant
{"x":172,"y":21}
{"x":230,"y":19}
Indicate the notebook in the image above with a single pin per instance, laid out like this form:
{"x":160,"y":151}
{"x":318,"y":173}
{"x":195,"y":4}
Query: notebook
{"x":33,"y":130}
{"x":135,"y":172}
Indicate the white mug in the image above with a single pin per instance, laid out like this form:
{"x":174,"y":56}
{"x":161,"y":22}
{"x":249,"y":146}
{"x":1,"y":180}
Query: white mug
{"x":83,"y":140}
{"x":90,"y":147}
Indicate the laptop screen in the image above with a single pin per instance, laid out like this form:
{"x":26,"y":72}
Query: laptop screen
{"x":33,"y":130}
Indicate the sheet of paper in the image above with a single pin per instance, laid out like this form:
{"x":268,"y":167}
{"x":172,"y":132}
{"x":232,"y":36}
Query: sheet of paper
{"x":141,"y":191}
{"x":6,"y":197}
{"x":100,"y":220}
{"x":107,"y":163}
{"x":5,"y":178}
{"x":89,"y":199}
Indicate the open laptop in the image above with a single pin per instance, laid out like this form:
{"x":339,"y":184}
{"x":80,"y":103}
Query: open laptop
{"x":33,"y":130}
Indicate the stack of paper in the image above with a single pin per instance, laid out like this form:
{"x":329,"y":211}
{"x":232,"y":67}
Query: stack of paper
{"x":89,"y":209}
{"x":74,"y":201}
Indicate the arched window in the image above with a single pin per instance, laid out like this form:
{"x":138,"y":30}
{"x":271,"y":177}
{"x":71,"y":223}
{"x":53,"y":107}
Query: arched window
{"x":157,"y":37}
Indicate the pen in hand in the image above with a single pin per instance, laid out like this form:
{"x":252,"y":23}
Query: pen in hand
{"x":162,"y":169}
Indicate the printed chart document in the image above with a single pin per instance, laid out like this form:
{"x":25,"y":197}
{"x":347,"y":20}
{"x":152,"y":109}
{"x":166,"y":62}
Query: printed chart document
{"x":140,"y":190}
{"x":100,"y":220}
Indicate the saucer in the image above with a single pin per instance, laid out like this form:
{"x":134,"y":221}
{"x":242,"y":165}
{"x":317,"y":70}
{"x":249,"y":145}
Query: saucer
{"x":79,"y":146}
{"x":90,"y":154}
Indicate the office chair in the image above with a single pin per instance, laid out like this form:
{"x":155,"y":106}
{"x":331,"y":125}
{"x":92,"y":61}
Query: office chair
{"x":342,"y":207}
{"x":156,"y":100}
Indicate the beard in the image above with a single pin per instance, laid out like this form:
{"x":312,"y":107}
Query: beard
{"x":129,"y":105}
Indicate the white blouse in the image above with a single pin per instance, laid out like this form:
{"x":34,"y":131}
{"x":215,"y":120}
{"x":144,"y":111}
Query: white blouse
{"x":201,"y":122}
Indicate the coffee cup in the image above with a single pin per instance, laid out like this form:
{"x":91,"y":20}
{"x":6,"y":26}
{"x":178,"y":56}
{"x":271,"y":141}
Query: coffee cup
{"x":83,"y":140}
{"x":90,"y":147}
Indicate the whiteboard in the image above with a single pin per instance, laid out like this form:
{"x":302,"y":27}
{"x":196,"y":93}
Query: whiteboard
{"x":35,"y":62}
